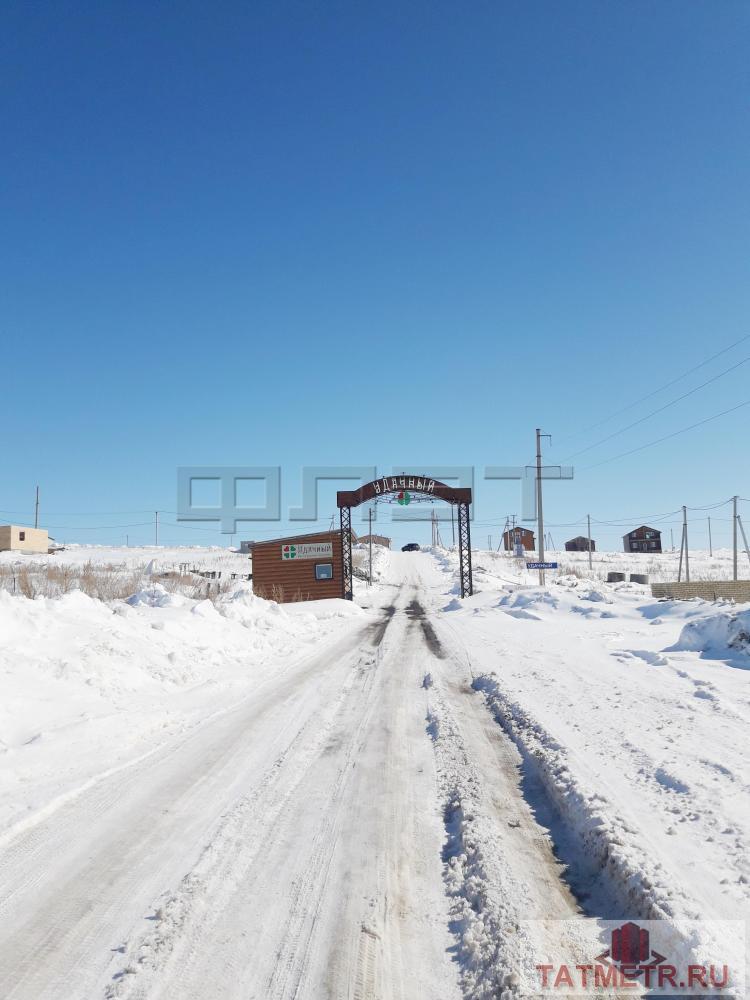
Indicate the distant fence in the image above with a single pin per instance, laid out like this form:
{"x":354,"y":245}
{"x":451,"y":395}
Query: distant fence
{"x":709,"y":590}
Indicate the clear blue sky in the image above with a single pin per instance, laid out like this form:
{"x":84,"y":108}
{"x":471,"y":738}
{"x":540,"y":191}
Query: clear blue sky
{"x":291,"y":233}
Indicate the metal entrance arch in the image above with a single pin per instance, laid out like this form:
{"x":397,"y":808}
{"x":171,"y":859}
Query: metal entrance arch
{"x":460,"y":497}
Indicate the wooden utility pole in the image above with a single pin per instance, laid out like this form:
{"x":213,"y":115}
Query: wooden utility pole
{"x":710,"y":543}
{"x":588,"y":522}
{"x":156,"y":527}
{"x":734,"y":537}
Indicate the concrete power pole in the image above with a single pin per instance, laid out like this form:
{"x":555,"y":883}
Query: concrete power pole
{"x":588,"y":522}
{"x":370,"y":545}
{"x":685,"y":544}
{"x":36,"y":509}
{"x":156,"y":527}
{"x":710,"y":543}
{"x":734,"y":537}
{"x":539,"y":512}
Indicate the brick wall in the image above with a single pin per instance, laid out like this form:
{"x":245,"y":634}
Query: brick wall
{"x":711,"y":590}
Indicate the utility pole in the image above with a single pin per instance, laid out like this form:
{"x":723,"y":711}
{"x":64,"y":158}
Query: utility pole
{"x":540,"y":514}
{"x":685,"y":544}
{"x":36,"y":509}
{"x":588,"y":522}
{"x":734,"y":537}
{"x":156,"y":527}
{"x":489,"y":542}
{"x":127,"y":541}
{"x":710,"y":543}
{"x":370,"y":541}
{"x":744,"y":536}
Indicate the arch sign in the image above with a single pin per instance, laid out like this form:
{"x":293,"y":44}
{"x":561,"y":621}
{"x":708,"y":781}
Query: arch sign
{"x":403,"y":487}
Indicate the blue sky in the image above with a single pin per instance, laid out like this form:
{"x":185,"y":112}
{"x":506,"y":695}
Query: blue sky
{"x":294,"y":234}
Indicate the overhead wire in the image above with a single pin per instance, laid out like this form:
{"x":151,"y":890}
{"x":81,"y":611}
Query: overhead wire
{"x":668,"y":437}
{"x":659,"y":409}
{"x":655,"y":392}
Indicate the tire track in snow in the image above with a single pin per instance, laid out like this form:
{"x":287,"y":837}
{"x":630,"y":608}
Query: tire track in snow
{"x":187,"y":915}
{"x":506,"y":886}
{"x":75,"y":880}
{"x":289,"y":973}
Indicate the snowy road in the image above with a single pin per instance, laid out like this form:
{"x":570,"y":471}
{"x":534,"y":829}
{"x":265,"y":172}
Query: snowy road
{"x":290,"y":847}
{"x":354,"y":826}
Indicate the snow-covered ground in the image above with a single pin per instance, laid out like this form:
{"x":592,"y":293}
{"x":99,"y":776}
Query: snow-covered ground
{"x":88,"y":686}
{"x":164,"y":557}
{"x":229,"y":798}
{"x":630,"y":716}
{"x":659,"y":567}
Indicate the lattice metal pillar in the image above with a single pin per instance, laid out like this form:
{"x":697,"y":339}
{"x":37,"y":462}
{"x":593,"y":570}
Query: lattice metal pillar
{"x":347,"y":588}
{"x":464,"y":550}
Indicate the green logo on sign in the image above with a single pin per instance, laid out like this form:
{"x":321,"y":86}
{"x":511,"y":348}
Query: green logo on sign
{"x":289,"y":552}
{"x":404,"y":498}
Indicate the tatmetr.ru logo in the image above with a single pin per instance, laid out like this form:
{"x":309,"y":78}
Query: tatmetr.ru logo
{"x":684,"y":958}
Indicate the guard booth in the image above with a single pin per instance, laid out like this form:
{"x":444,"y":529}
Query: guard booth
{"x":298,"y":568}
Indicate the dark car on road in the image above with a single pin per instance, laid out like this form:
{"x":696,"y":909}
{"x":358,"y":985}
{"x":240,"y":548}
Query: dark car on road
{"x":410,"y":547}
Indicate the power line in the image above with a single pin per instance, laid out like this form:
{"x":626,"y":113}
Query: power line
{"x":97,"y":527}
{"x":660,"y":409}
{"x":83,"y":513}
{"x":667,"y":437}
{"x":655,"y":392}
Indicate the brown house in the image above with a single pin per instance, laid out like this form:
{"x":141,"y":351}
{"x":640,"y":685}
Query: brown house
{"x":643,"y":539}
{"x":580,"y":544}
{"x":514,"y":536}
{"x":298,"y":568}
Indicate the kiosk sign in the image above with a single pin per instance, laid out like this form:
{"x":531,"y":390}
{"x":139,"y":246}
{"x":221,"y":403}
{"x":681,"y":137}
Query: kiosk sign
{"x":307,"y":550}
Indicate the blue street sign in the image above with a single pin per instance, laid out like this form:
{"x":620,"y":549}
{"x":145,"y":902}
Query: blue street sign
{"x":530,"y":565}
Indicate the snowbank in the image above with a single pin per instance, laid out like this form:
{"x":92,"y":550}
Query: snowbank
{"x":721,"y":634}
{"x":86,"y":685}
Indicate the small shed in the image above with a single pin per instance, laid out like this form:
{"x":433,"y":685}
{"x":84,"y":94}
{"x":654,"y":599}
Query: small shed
{"x":18,"y":538}
{"x":580,"y":544}
{"x":515,"y":537}
{"x":643,"y":539}
{"x":298,"y":567}
{"x":376,"y":540}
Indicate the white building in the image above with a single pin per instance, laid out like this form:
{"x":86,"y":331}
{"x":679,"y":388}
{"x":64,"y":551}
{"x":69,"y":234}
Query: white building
{"x":14,"y":538}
